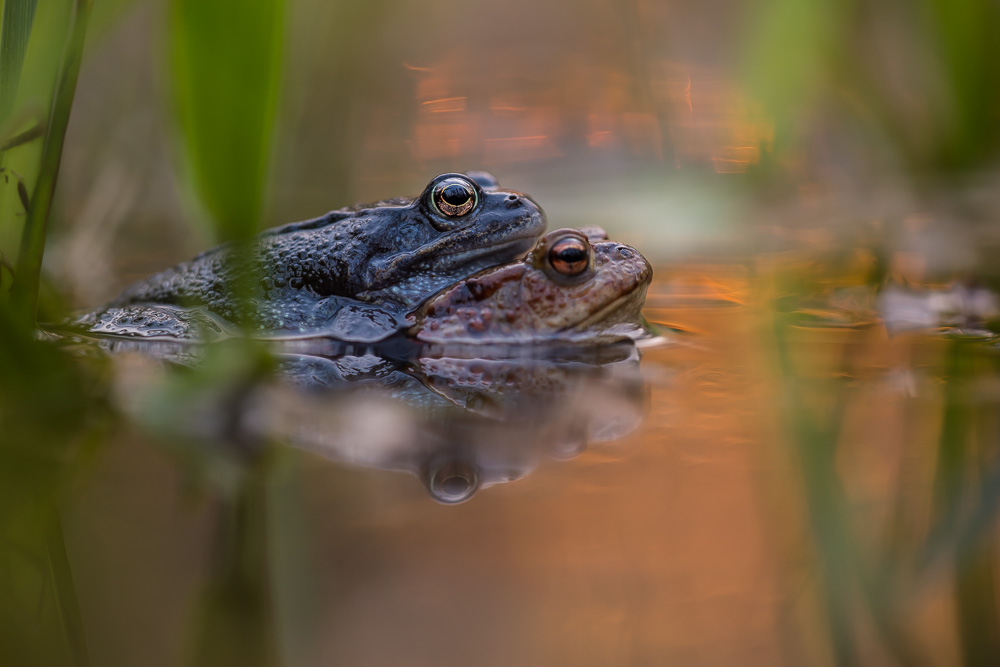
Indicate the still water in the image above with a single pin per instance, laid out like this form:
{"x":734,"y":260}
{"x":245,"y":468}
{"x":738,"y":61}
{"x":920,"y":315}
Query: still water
{"x":769,"y":485}
{"x":804,"y":472}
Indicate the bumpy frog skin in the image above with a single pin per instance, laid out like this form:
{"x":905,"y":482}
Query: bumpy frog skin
{"x":352,"y":271}
{"x":543,"y":297}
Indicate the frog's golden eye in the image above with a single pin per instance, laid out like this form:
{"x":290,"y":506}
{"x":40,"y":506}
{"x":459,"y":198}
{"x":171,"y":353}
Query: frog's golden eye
{"x":570,"y":256}
{"x":452,"y":482}
{"x":454,"y":197}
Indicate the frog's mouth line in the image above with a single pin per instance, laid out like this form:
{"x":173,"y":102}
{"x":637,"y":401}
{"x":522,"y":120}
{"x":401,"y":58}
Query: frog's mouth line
{"x":528,"y":241}
{"x":637,"y":295}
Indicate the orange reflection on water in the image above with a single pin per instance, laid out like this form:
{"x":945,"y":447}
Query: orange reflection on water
{"x":711,"y":122}
{"x":601,"y":130}
{"x":445,"y":138}
{"x":697,"y":284}
{"x":444,"y":105}
{"x":453,"y":119}
{"x":692,"y":113}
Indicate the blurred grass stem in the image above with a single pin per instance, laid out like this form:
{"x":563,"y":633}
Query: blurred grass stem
{"x":235,"y":623}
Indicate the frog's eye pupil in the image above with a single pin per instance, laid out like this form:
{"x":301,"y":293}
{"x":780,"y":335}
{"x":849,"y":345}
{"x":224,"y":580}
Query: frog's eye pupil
{"x":454,"y":197}
{"x":570,"y":257}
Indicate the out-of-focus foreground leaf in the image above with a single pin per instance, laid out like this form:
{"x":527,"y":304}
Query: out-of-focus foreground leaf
{"x":225,"y":65}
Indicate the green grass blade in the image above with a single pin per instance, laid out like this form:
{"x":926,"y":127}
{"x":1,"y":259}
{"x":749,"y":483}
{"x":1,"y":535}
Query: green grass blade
{"x":17,"y":18}
{"x":29,"y":259}
{"x":225,"y":65}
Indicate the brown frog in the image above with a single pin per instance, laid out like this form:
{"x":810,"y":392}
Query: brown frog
{"x":572,"y":286}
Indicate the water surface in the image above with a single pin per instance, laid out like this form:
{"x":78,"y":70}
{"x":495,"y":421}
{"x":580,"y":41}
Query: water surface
{"x":772,"y":485}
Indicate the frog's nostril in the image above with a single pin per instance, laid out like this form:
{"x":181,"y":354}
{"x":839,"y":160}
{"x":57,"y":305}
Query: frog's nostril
{"x":624,"y":252}
{"x":513,"y":201}
{"x":511,"y":197}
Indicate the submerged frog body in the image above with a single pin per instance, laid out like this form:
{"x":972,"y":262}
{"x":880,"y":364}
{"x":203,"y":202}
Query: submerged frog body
{"x":352,"y":273}
{"x":573,"y":285}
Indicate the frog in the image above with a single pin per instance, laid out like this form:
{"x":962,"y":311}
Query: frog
{"x":573,"y":285}
{"x":353,"y":273}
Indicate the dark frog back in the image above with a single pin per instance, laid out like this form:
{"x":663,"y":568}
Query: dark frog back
{"x":351,"y":273}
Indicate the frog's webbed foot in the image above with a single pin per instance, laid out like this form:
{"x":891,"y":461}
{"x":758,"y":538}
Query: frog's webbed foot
{"x":351,"y":320}
{"x":152,"y":321}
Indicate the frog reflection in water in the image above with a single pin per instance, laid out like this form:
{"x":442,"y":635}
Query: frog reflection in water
{"x":458,"y":424}
{"x":573,"y":285}
{"x":351,"y":273}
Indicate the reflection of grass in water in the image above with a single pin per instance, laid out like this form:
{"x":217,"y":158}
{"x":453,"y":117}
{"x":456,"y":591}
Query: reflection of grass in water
{"x":846,"y":573}
{"x":879,"y":581}
{"x":51,"y":423}
{"x":234,"y":622}
{"x":963,"y":490}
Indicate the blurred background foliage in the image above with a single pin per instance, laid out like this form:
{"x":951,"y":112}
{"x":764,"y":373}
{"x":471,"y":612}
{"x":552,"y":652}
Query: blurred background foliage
{"x":856,"y":141}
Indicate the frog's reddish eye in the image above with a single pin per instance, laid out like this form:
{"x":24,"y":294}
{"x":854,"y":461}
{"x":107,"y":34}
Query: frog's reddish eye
{"x":570,"y":256}
{"x":454,"y":197}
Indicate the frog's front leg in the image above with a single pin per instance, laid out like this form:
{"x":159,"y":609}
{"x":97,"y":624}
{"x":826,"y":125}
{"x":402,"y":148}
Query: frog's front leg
{"x":153,"y":321}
